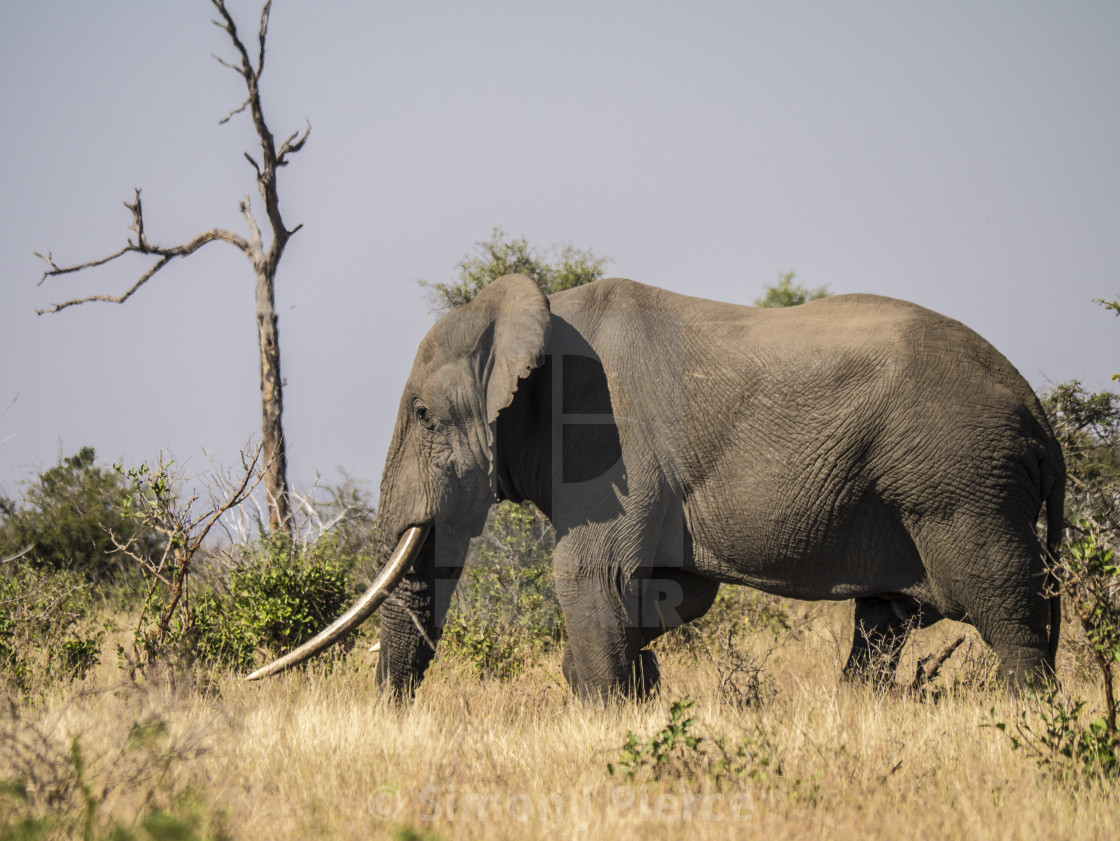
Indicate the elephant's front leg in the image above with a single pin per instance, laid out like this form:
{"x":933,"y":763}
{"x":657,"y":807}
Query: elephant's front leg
{"x":610,"y":624}
{"x":604,"y":656}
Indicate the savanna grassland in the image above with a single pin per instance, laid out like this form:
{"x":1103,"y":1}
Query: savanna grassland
{"x":774,"y":745}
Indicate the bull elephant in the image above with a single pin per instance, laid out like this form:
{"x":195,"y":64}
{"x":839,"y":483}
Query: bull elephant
{"x":856,"y":447}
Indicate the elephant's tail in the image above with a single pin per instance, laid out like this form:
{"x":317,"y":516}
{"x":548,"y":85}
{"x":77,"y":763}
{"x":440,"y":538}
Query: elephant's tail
{"x":1055,"y":526}
{"x":1052,"y":486}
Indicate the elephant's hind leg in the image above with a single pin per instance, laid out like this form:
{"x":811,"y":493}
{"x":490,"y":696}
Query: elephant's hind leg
{"x":882,"y":626}
{"x":1003,"y":595}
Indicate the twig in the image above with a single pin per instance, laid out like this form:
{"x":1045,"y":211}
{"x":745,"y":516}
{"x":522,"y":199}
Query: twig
{"x":930,"y":665}
{"x":415,"y":620}
{"x":18,"y":554}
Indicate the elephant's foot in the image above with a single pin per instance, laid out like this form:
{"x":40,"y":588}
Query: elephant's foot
{"x":640,"y":681}
{"x":876,"y":672}
{"x":1025,"y":668}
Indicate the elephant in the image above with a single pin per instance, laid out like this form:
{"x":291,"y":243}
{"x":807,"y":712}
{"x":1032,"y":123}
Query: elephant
{"x":853,"y":447}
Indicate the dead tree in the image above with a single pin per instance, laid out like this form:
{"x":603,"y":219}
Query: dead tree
{"x":264,"y":258}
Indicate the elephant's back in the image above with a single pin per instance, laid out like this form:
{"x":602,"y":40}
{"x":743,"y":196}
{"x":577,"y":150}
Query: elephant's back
{"x":796,"y":373}
{"x":851,"y":324}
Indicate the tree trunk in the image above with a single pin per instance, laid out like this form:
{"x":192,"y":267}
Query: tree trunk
{"x":272,"y":409}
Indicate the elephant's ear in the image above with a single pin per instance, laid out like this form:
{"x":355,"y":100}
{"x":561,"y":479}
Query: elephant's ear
{"x":519,"y":318}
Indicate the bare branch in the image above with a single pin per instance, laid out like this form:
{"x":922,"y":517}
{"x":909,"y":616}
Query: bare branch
{"x":263,"y":34}
{"x":930,"y":665}
{"x":11,"y":403}
{"x":249,"y":481}
{"x":236,"y":110}
{"x":270,"y":159}
{"x":55,"y":269}
{"x":253,"y":163}
{"x":290,"y":148}
{"x":222,"y":61}
{"x":415,"y":620}
{"x":141,"y":246}
{"x":137,"y":220}
{"x":254,"y":229}
{"x":227,"y":23}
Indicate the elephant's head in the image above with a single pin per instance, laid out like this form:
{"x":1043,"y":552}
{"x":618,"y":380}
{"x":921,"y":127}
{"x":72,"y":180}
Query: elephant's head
{"x":440,"y":474}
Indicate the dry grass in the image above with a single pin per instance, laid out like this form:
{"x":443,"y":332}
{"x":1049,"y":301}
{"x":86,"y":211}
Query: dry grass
{"x":325,"y":756}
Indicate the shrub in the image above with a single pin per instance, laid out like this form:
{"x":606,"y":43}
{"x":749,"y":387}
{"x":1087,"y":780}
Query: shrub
{"x":279,"y":597}
{"x":1090,"y":577}
{"x":260,"y":598}
{"x":1053,"y":726}
{"x":786,"y":293}
{"x":672,"y":752}
{"x":505,"y":612}
{"x":554,"y":271}
{"x":1087,"y":425}
{"x":70,"y":515}
{"x":676,"y":755}
{"x":57,"y":792}
{"x":45,"y":632}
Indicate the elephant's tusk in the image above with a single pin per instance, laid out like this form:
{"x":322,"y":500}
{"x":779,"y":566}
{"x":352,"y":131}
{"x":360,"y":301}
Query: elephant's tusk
{"x":382,"y":586}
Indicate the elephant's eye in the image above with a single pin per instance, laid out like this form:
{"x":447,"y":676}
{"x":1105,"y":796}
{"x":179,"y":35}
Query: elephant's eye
{"x":423,"y":416}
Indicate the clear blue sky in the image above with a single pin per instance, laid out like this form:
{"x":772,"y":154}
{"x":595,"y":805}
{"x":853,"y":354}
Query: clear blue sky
{"x":964,"y":155}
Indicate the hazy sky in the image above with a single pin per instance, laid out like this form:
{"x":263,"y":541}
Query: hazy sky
{"x":964,"y":155}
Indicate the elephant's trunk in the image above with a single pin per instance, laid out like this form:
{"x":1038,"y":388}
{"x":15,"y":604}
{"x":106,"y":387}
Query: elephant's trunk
{"x":411,"y":541}
{"x":412,"y":620}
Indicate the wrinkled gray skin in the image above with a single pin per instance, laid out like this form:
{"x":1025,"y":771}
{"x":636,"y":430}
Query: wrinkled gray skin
{"x":855,"y":447}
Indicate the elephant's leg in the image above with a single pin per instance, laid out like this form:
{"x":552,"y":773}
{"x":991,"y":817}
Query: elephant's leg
{"x":1014,"y":622}
{"x":604,"y":654}
{"x":609,"y":628}
{"x":1001,"y":595}
{"x":881,"y":628}
{"x":641,"y":680}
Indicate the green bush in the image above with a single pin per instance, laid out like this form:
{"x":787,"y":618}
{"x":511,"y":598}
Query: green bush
{"x":279,"y":597}
{"x":1067,"y":741}
{"x":786,"y":293}
{"x":554,"y":271}
{"x":505,"y":613}
{"x":1087,"y":424}
{"x":1051,"y":727}
{"x":676,"y":755}
{"x":70,"y":514}
{"x":673,"y":752}
{"x":45,"y":627}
